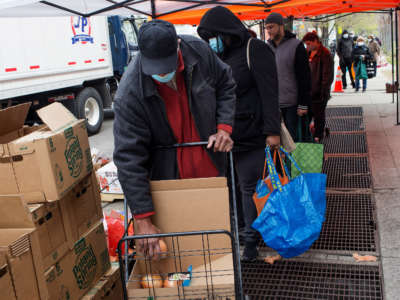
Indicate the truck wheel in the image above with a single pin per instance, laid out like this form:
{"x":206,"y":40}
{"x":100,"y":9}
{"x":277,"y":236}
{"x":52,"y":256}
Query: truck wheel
{"x":90,"y":107}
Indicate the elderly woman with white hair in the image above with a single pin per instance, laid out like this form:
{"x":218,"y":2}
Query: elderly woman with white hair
{"x":360,"y":55}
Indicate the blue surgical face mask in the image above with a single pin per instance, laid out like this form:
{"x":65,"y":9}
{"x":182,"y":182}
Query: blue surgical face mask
{"x":216,"y":44}
{"x":164,"y":79}
{"x":345,"y":35}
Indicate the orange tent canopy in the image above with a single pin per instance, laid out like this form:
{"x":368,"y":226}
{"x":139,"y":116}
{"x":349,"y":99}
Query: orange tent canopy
{"x":295,"y":8}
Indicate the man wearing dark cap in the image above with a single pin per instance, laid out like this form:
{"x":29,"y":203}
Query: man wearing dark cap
{"x":293,"y":72}
{"x":175,"y":91}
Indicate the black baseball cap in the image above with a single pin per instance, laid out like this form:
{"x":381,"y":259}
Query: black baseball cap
{"x":158,"y":44}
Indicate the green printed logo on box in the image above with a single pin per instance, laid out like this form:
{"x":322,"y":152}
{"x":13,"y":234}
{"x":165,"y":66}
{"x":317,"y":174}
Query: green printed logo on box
{"x":68,"y":133}
{"x":85,"y":267}
{"x":59,"y":176}
{"x":51,"y":144}
{"x":74,"y":156}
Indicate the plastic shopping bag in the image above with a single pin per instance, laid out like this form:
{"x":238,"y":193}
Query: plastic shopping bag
{"x":292,"y":218}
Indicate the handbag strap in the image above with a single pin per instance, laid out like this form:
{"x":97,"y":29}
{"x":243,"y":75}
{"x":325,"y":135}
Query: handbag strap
{"x":284,"y":169}
{"x":291,"y":159}
{"x":248,"y":53}
{"x":275,"y":181}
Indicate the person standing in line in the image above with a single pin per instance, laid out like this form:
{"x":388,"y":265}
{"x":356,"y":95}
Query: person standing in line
{"x":293,"y":72}
{"x":257,"y":117}
{"x":374,"y":50}
{"x":344,"y":51}
{"x":360,"y":56}
{"x":322,"y":74}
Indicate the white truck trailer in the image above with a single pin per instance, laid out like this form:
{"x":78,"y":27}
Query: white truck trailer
{"x":75,"y":60}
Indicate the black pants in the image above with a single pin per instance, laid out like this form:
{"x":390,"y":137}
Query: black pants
{"x":345,"y":65}
{"x":249,"y":167}
{"x":289,"y":115}
{"x":318,"y":108}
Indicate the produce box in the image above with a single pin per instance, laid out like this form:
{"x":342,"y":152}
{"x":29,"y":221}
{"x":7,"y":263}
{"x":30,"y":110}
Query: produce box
{"x":109,"y":287}
{"x":19,"y":245}
{"x":78,"y":271}
{"x":6,"y":285}
{"x":203,"y":204}
{"x":43,"y":162}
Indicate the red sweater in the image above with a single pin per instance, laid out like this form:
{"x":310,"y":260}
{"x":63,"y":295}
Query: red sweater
{"x":193,"y":162}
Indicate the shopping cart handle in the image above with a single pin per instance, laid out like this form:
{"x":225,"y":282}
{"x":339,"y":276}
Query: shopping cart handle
{"x":191,"y":144}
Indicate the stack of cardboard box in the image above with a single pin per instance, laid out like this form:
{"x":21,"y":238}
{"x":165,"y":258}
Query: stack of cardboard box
{"x":52,"y":240}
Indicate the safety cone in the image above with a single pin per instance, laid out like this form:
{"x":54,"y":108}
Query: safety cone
{"x":338,"y":82}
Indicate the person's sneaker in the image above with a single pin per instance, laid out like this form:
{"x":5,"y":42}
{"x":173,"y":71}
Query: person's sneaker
{"x":353,"y":85}
{"x":344,"y":87}
{"x":250,"y":252}
{"x":363,"y":90}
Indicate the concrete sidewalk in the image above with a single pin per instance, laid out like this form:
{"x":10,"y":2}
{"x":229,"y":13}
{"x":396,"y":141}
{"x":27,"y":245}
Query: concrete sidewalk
{"x":383,"y":138}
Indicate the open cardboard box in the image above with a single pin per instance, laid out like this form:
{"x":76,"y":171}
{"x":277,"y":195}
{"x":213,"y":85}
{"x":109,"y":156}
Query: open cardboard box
{"x":79,"y":270}
{"x":182,"y":206}
{"x":6,"y":286}
{"x":19,"y":244}
{"x":44,"y":162}
{"x":109,"y":287}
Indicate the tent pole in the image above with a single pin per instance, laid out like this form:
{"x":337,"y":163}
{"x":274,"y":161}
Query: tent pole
{"x":153,"y":9}
{"x":392,"y":45}
{"x":397,"y":65}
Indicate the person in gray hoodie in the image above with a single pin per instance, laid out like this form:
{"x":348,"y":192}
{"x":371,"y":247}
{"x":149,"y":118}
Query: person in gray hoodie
{"x":294,"y":73}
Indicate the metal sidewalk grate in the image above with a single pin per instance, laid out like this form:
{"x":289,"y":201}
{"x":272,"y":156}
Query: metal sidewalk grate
{"x":345,"y":124}
{"x":347,"y":172}
{"x":345,"y":143}
{"x":344,"y":111}
{"x":349,"y":224}
{"x":307,"y":280}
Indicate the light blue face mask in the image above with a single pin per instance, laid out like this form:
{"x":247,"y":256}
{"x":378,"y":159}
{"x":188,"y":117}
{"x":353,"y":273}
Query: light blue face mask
{"x":216,"y":44}
{"x":164,"y":79}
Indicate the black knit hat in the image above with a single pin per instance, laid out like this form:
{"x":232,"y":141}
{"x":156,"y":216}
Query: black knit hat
{"x":274,"y":18}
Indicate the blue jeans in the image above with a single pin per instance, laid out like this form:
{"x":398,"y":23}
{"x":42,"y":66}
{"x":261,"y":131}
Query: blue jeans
{"x":358,"y":84}
{"x":290,"y":118}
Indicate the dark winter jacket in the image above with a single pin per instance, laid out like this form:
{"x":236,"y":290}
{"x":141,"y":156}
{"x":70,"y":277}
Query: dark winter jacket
{"x":358,"y":52}
{"x":293,"y":72}
{"x":322,"y":74}
{"x":345,"y":48}
{"x":257,"y":107}
{"x":141,"y":124}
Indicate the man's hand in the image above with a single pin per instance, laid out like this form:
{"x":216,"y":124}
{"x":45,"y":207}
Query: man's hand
{"x":221,"y":140}
{"x":301,"y":112}
{"x":149,"y":247}
{"x":274,"y":141}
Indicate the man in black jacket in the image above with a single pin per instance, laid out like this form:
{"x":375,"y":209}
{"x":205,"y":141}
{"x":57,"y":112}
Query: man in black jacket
{"x":344,"y":50}
{"x":257,"y":119}
{"x":176,"y":90}
{"x":293,"y":72}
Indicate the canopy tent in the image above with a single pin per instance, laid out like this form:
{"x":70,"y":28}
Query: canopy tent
{"x":87,"y":8}
{"x":292,"y":8}
{"x":189,"y":11}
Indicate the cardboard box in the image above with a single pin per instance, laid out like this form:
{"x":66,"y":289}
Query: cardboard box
{"x":109,"y":287}
{"x":51,"y":231}
{"x":6,"y":286}
{"x":43,"y":162}
{"x":76,"y":273}
{"x":108,"y":179}
{"x":190,"y":205}
{"x":81,"y":208}
{"x":20,"y":245}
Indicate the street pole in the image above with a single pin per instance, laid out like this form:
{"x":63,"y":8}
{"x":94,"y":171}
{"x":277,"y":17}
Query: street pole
{"x":397,"y":66}
{"x":392,"y":45}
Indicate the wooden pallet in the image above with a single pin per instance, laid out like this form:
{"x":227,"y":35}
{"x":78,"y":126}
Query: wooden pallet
{"x":111,"y":197}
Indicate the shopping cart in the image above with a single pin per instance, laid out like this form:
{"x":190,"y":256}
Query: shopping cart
{"x":215,"y":271}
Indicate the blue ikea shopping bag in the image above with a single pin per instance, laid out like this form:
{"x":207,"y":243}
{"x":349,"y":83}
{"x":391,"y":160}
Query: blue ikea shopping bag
{"x":292,"y":218}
